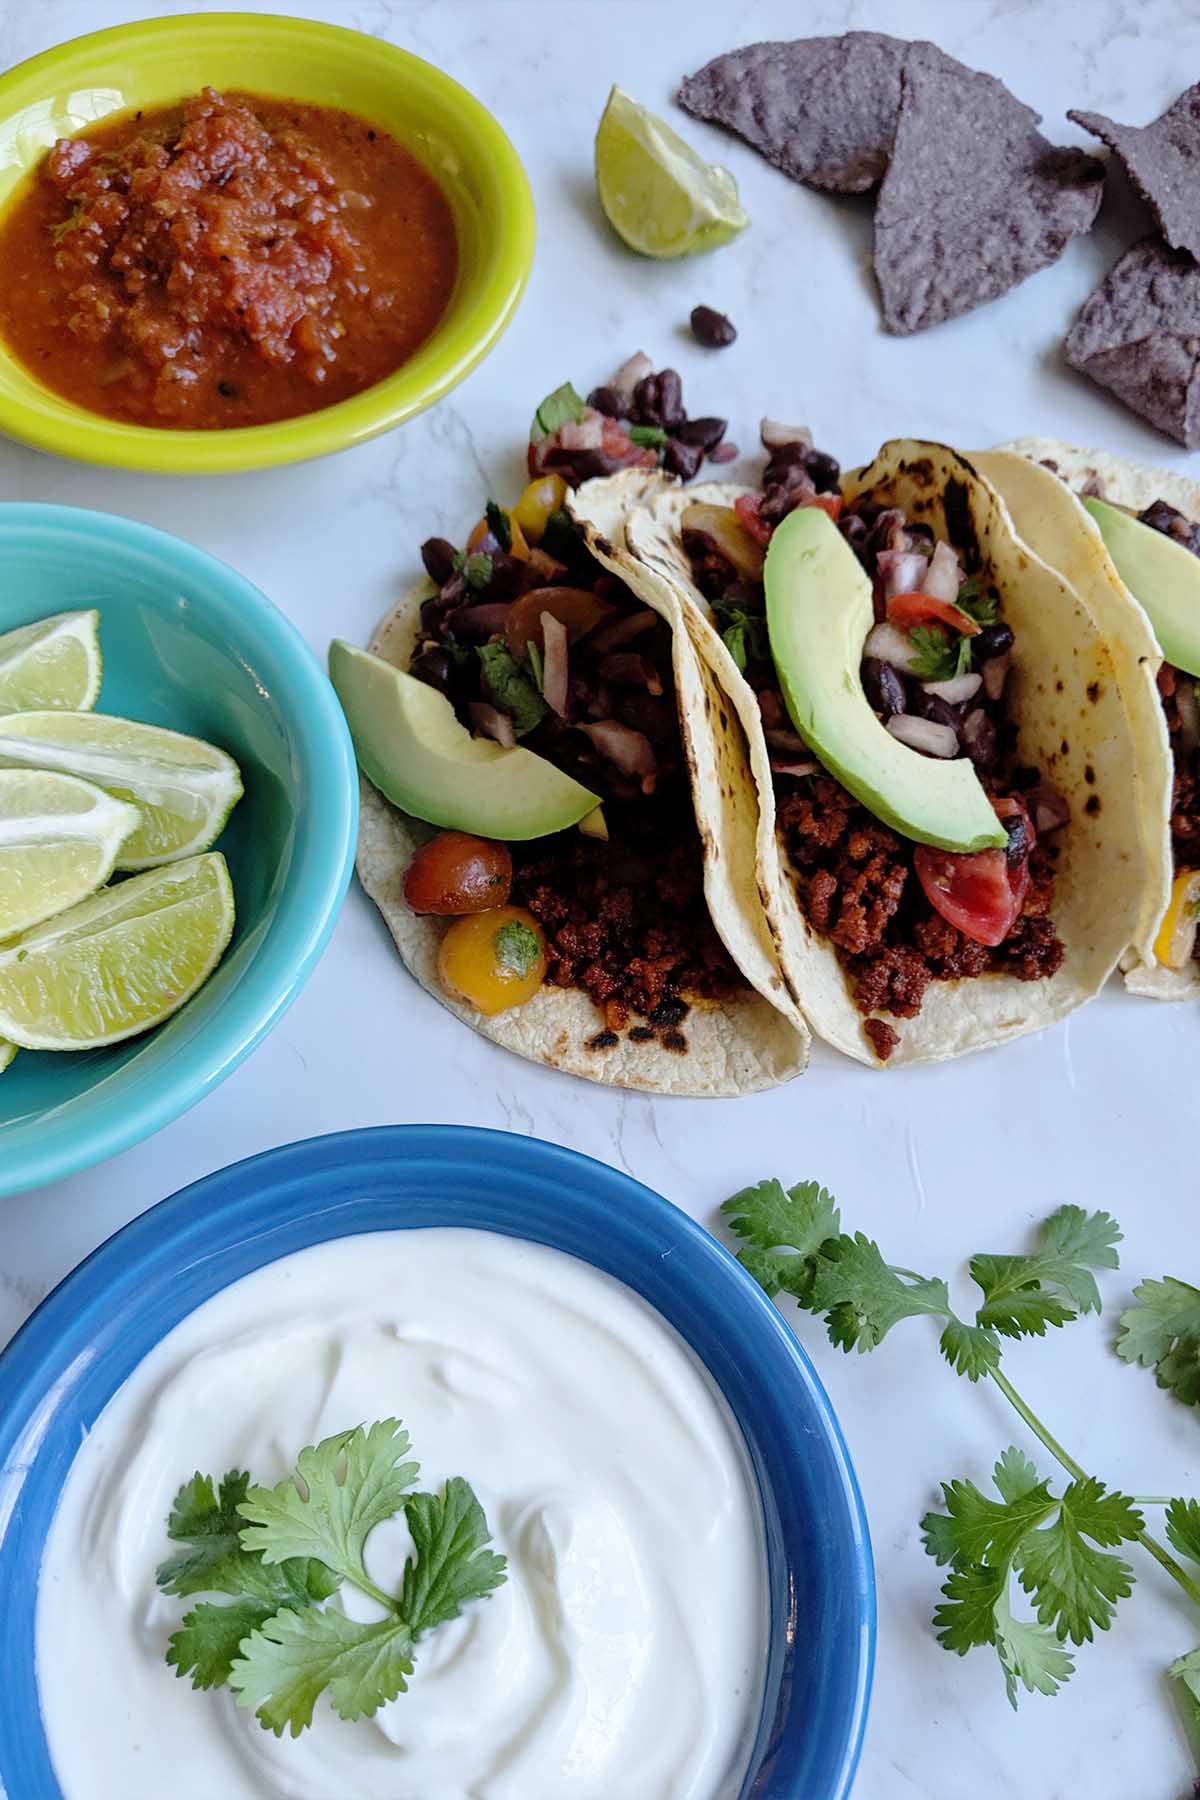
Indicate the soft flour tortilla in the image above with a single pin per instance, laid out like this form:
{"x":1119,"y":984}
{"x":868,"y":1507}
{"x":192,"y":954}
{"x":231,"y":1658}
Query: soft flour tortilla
{"x":734,"y":1047}
{"x":1073,"y":725}
{"x":1051,"y":521}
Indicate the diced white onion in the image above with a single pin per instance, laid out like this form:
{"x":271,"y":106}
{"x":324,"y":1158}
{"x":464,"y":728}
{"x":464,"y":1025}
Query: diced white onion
{"x":943,"y":578}
{"x":635,"y":369}
{"x":555,"y":676}
{"x":888,"y":644}
{"x":958,"y":690}
{"x":903,"y":572}
{"x":925,"y":735}
{"x":775,"y":435}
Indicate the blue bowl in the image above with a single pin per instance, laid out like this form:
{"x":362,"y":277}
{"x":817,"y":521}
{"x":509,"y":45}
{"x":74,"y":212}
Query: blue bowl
{"x":82,"y":1343}
{"x":192,"y":645}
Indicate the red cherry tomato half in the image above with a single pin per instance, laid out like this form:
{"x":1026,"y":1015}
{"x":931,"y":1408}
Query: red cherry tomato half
{"x":828,"y":503}
{"x":907,"y":610}
{"x":981,"y":892}
{"x":457,"y":873}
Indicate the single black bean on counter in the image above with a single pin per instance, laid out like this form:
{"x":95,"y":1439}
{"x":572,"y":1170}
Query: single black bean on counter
{"x":711,"y":328}
{"x":438,"y":556}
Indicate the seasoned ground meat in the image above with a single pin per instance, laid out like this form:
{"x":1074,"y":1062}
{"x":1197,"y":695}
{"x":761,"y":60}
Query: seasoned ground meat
{"x":855,"y":882}
{"x":632,"y":930}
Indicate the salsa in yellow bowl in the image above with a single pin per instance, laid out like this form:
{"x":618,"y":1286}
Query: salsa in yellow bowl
{"x":128,"y":338}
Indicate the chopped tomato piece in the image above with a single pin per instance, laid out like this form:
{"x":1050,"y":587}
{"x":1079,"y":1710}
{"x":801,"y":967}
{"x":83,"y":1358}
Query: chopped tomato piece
{"x":456,"y":873}
{"x":982,"y":891}
{"x":748,"y":509}
{"x":907,"y":610}
{"x":828,"y":503}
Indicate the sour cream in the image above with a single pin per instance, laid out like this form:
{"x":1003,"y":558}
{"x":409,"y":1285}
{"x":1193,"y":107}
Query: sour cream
{"x":623,"y":1659}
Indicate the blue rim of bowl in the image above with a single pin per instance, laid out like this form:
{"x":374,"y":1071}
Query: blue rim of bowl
{"x":239,"y":1218}
{"x":263,"y":997}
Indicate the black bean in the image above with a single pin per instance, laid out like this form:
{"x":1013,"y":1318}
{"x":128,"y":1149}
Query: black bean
{"x":670,"y":398}
{"x":711,"y":328}
{"x":607,"y":400}
{"x":438,"y":556}
{"x":506,"y":575}
{"x":725,"y":452}
{"x":932,"y":706}
{"x":993,"y":640}
{"x":1018,"y":839}
{"x":824,"y":470}
{"x":432,"y":614}
{"x":682,"y":459}
{"x":705,"y":432}
{"x":884,"y":687}
{"x":436,"y":669}
{"x":647,"y":408}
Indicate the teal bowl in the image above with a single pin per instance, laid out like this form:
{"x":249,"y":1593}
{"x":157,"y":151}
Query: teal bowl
{"x":189,"y":644}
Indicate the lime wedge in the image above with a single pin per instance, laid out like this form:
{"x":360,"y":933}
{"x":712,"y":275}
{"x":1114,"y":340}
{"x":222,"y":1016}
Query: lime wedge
{"x":659,"y":195}
{"x":54,"y":665}
{"x":59,"y":842}
{"x":7,"y":1052}
{"x":121,"y":962}
{"x":184,"y":789}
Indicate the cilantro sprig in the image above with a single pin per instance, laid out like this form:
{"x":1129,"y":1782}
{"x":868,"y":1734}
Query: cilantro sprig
{"x":1053,"y":1552}
{"x":937,"y":655}
{"x":281,"y":1554}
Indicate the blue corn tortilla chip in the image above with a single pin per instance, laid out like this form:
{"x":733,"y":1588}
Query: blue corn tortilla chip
{"x":821,"y":109}
{"x":975,"y":199}
{"x":1139,"y":335}
{"x":1163,"y":160}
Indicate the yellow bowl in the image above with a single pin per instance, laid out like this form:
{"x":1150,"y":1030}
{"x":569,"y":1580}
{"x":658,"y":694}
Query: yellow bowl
{"x":157,"y":61}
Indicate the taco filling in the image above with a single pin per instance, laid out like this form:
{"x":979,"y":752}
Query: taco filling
{"x":935,"y":668}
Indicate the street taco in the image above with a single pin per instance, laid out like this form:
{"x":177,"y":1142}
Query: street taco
{"x":552,"y":712}
{"x":950,"y":850}
{"x":1127,"y":537}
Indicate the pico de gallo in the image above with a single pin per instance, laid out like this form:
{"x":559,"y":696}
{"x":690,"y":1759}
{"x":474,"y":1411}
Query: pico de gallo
{"x":533,"y":642}
{"x":935,"y":670}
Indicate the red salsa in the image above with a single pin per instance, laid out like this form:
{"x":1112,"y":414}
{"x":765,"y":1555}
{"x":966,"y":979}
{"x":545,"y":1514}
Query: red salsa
{"x":229,"y":261}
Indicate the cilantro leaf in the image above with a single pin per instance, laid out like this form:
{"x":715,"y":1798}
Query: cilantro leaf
{"x":517,"y":946}
{"x":983,"y":608}
{"x":1183,"y":1527}
{"x":536,"y":666}
{"x":784,"y":1231}
{"x":499,"y":524}
{"x":1162,"y":1332}
{"x":216,"y":1562}
{"x":647,"y":437}
{"x":971,"y":1350}
{"x":1022,"y":1295}
{"x":1186,"y":1670}
{"x":510,"y":689}
{"x":862,"y":1297}
{"x":477,"y":569}
{"x":1074,"y":1585}
{"x":1029,"y":1653}
{"x":451,"y":1563}
{"x":966,"y":1617}
{"x":744,"y":634}
{"x":976,"y":1529}
{"x":340,"y":1491}
{"x":937,"y":655}
{"x":289,"y":1662}
{"x":1014,"y":1474}
{"x":563,"y":406}
{"x":207,"y":1643}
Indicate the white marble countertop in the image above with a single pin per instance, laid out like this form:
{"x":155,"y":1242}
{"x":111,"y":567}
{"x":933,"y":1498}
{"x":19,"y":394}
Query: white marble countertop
{"x":937,"y":1163}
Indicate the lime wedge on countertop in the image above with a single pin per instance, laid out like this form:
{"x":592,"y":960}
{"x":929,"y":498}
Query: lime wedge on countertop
{"x":119,"y":963}
{"x":54,"y":665}
{"x":7,"y":1052}
{"x":184,"y":788}
{"x":658,"y":193}
{"x":59,"y":841}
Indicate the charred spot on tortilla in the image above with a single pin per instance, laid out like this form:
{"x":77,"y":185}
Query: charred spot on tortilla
{"x":641,"y":1034}
{"x":960,"y":525}
{"x":674,"y":1040}
{"x":955,"y":228}
{"x":603,"y":1040}
{"x":821,"y":109}
{"x":670,"y":1012}
{"x":1089,"y":775}
{"x":1162,"y":160}
{"x":1093,"y":691}
{"x":1138,"y":334}
{"x":1064,"y":749}
{"x":1092,"y":804}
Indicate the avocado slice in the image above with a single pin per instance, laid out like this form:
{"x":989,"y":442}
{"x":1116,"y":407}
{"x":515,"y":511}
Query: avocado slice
{"x":819,"y":611}
{"x":1161,"y":575}
{"x":410,"y":745}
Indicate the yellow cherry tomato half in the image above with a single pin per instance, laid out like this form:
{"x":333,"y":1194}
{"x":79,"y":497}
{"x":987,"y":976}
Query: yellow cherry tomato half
{"x":537,"y":502}
{"x":1176,"y":941}
{"x":493,"y":960}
